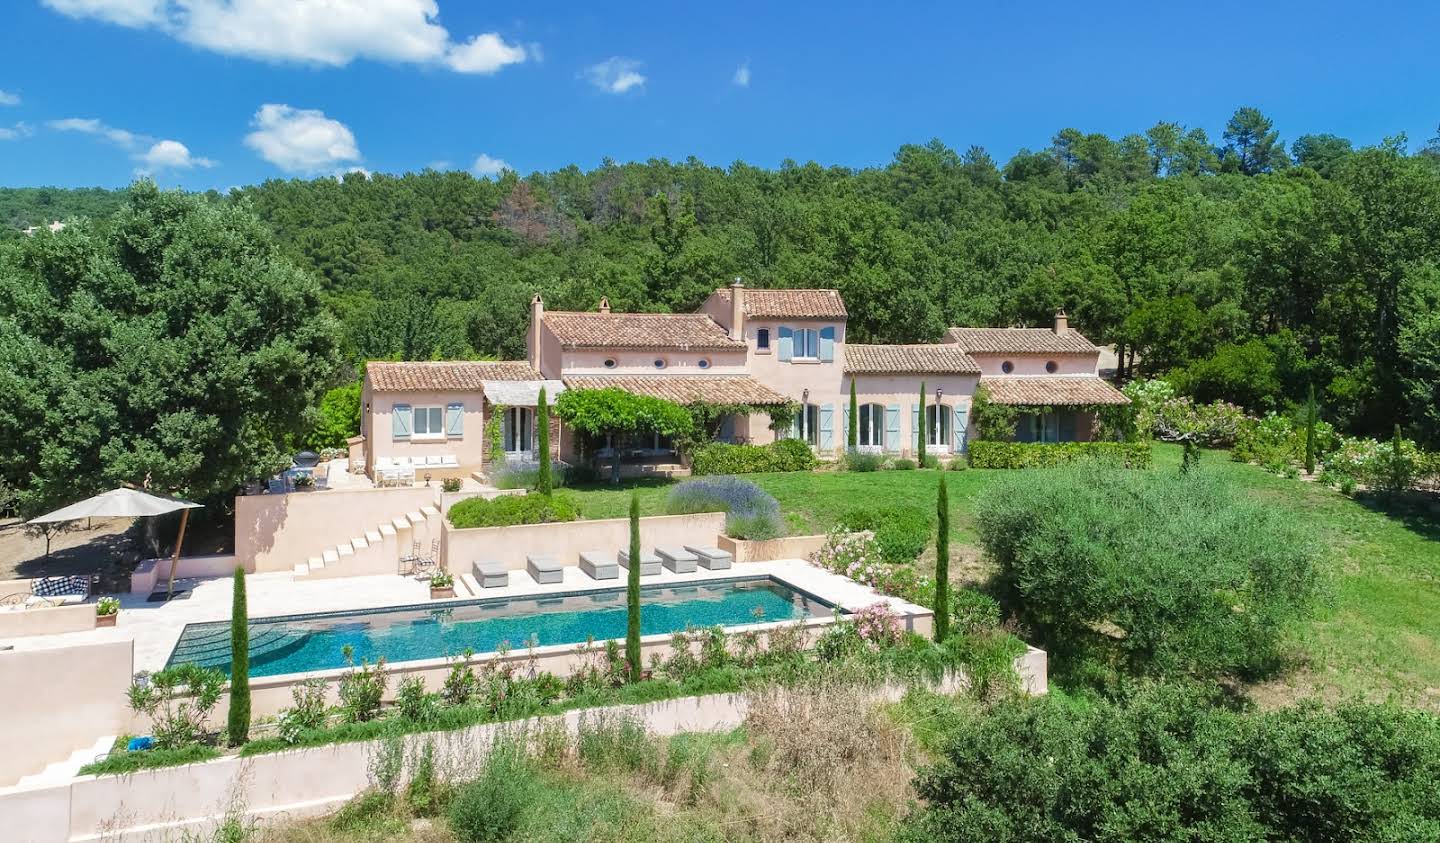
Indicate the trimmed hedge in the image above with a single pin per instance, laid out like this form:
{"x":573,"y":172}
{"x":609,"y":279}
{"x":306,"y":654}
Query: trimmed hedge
{"x":510,"y":510}
{"x":987,"y":454}
{"x":784,"y":455}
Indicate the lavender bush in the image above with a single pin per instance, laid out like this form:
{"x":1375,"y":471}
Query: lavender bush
{"x":751,"y":513}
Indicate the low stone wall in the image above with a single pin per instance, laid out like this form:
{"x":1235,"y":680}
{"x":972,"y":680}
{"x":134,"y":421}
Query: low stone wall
{"x":153,"y":574}
{"x":195,"y":798}
{"x":461,"y":549}
{"x":277,"y":532}
{"x":58,"y":700}
{"x":790,"y":547}
{"x":46,"y":620}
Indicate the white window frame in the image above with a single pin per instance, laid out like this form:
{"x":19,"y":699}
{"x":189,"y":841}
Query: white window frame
{"x":807,"y":425}
{"x":421,"y":429}
{"x":806,"y":344}
{"x":870,"y":426}
{"x":937,"y":436}
{"x":521,"y":419}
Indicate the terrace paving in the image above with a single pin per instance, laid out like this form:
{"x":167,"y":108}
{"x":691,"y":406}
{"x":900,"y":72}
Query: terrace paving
{"x":156,"y":627}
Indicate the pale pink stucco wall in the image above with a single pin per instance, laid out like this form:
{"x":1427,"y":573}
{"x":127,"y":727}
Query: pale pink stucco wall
{"x":468,"y":448}
{"x":461,"y":549}
{"x":58,"y":700}
{"x":1034,"y":364}
{"x":278,"y":532}
{"x":904,"y":390}
{"x":642,"y":362}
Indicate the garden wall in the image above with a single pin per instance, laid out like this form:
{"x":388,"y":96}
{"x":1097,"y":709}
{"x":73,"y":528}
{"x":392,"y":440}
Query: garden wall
{"x":195,"y":798}
{"x":277,"y":532}
{"x":153,"y":574}
{"x":57,"y":700}
{"x":46,"y":620}
{"x":460,"y":549}
{"x":790,"y":547}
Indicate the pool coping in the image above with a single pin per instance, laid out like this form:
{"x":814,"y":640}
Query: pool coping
{"x":547,"y":651}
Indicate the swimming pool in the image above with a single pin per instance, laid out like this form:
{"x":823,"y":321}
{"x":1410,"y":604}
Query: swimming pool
{"x":298,"y":643}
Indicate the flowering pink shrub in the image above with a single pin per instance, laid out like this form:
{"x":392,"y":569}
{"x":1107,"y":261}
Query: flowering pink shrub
{"x":878,"y":625}
{"x":857,"y":556}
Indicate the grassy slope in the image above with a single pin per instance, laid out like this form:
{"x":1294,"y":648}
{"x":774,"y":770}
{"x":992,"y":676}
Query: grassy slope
{"x":1380,"y":635}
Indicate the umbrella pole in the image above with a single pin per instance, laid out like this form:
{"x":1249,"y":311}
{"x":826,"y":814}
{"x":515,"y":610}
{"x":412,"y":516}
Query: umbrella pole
{"x":175,"y":560}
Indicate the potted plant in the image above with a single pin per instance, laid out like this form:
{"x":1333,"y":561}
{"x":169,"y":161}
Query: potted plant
{"x":304,"y":482}
{"x":442,"y":585}
{"x":107,"y":610}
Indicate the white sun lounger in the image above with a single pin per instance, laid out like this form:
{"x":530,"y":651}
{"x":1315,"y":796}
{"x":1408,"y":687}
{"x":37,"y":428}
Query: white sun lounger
{"x":649,"y":563}
{"x":492,"y":574}
{"x":545,"y":569}
{"x":599,"y":565}
{"x":677,"y":559}
{"x":711,"y":558}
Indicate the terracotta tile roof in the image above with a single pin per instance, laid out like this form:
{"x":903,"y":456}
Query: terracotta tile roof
{"x":1052,"y":390}
{"x":790,"y":304}
{"x":686,"y":389}
{"x":903,"y":359}
{"x":458,"y":375}
{"x":638,"y":330}
{"x":1020,"y":341}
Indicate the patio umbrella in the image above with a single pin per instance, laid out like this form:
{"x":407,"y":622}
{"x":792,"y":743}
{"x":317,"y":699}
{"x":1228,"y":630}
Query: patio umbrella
{"x":126,"y":503}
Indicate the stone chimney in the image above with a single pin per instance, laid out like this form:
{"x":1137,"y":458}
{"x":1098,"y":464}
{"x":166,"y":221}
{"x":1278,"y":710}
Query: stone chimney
{"x":537,"y":315}
{"x":737,"y":310}
{"x":604,"y":304}
{"x":1062,"y":323}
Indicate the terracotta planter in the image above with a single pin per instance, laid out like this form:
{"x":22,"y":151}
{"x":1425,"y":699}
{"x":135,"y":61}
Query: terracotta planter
{"x":106,"y":620}
{"x":441,"y":593}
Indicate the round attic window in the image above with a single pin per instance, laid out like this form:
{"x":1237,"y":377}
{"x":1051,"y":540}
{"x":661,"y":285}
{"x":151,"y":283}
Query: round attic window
{"x":1051,"y":366}
{"x":659,"y":362}
{"x":609,"y":362}
{"x":703,"y":363}
{"x":1007,"y":367}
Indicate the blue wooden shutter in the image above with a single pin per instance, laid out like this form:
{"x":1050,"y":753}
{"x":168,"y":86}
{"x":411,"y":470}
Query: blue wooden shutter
{"x":892,"y":427}
{"x":845,"y":424}
{"x":915,"y":427}
{"x":827,"y":427}
{"x":827,"y":344}
{"x":455,"y":420}
{"x":400,"y":421}
{"x":961,"y":414}
{"x":787,"y":344}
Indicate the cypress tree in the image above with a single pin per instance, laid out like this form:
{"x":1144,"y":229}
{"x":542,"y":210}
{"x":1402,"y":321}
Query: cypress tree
{"x":238,"y":723}
{"x":544,"y":484}
{"x":632,"y":592}
{"x":1312,"y":416}
{"x":920,"y":451}
{"x":942,"y":563}
{"x":852,"y":440}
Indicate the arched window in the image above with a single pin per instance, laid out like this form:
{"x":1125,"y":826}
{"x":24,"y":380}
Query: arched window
{"x":938,"y":422}
{"x":871,"y":426}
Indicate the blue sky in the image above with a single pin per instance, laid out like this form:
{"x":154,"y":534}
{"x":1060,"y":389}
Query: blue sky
{"x":216,"y":93}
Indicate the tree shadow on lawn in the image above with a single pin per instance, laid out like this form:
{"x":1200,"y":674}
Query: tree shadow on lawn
{"x":1418,"y":511}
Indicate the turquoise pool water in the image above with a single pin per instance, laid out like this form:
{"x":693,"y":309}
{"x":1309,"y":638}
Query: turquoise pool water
{"x":297,"y":643}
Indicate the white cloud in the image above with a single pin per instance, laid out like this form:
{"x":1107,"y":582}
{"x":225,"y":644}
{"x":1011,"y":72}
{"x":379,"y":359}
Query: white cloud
{"x":742,"y":75}
{"x":487,"y":166}
{"x":615,"y":75}
{"x":123,"y":12}
{"x":7,"y":98}
{"x":91,"y":126}
{"x":300,"y":140}
{"x":483,"y":54}
{"x":328,"y":32}
{"x":16,"y":132}
{"x":171,"y":155}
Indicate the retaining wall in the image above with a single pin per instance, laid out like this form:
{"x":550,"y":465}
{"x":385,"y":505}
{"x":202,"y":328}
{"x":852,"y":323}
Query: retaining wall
{"x":790,"y":547}
{"x":169,"y":803}
{"x":278,"y":532}
{"x":461,"y":549}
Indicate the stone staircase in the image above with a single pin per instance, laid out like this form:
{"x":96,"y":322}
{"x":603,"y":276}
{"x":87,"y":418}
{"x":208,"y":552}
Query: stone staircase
{"x":377,"y":550}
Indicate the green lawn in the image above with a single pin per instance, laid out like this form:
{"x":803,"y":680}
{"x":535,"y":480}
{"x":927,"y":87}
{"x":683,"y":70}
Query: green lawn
{"x":1380,"y":634}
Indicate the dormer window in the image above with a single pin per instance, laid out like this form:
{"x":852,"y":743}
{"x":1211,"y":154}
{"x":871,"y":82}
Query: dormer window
{"x":762,"y":339}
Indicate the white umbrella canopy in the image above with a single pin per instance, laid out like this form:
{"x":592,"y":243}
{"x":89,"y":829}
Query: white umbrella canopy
{"x":116,"y":503}
{"x":127,"y":503}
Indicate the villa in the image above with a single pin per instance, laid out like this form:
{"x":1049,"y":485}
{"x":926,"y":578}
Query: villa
{"x":743,"y":346}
